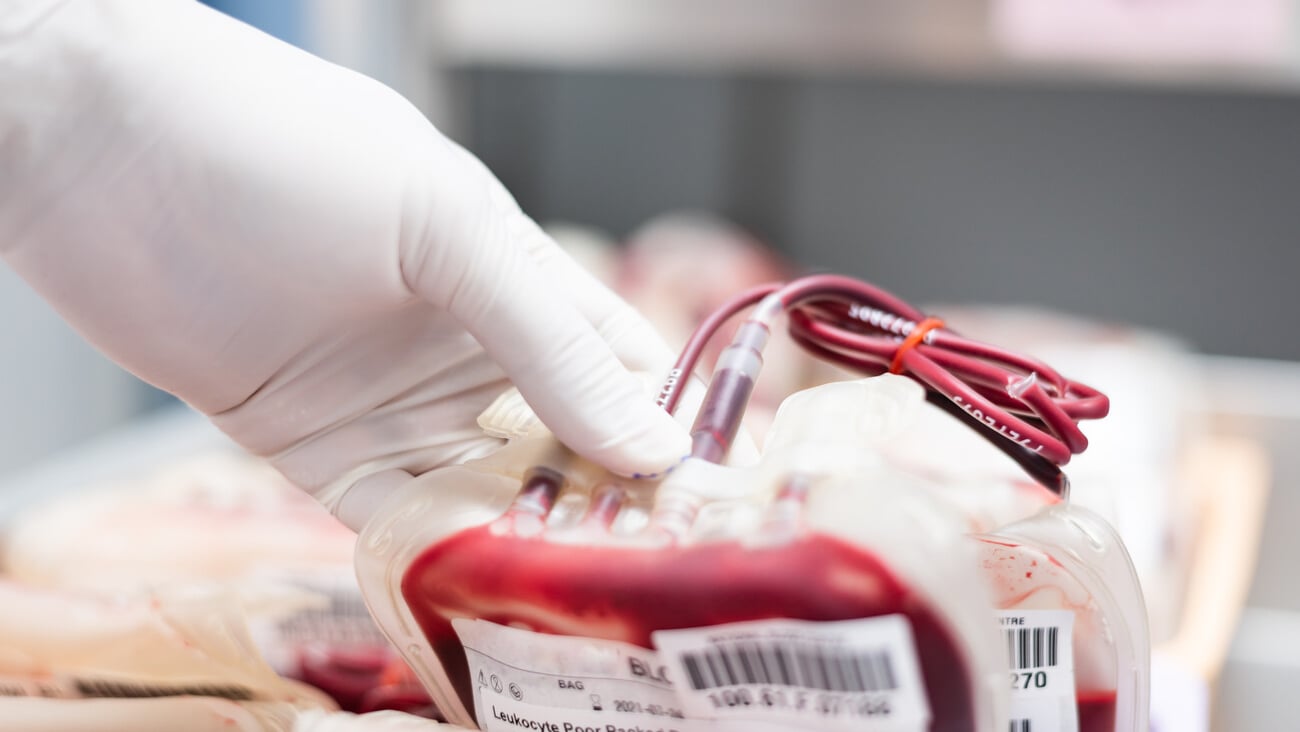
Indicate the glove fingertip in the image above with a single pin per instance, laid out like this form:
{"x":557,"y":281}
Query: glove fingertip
{"x":653,"y":453}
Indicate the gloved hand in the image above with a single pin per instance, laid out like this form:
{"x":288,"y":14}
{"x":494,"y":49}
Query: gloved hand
{"x":294,"y":251}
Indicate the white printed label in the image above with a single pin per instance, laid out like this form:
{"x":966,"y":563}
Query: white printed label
{"x":1040,"y":652}
{"x":549,"y":683}
{"x":851,"y":675}
{"x":527,"y":680}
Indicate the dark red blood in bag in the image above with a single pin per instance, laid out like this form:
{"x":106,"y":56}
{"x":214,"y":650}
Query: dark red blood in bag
{"x":361,"y":679}
{"x":1096,"y":711}
{"x":345,"y":676}
{"x":624,"y":594}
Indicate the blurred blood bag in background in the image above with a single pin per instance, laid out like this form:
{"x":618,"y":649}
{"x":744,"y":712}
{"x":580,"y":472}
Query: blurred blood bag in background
{"x":232,"y":521}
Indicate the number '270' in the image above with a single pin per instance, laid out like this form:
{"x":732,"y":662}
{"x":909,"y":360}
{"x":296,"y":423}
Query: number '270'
{"x":1028,"y":680}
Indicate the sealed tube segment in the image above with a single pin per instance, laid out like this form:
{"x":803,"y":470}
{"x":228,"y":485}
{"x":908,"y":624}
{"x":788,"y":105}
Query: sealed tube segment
{"x":728,"y":394}
{"x":784,"y":518}
{"x":606,"y":502}
{"x":527,"y":513}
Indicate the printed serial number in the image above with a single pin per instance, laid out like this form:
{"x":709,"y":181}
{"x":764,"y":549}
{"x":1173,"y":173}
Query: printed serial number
{"x":1028,"y":680}
{"x":798,"y":700}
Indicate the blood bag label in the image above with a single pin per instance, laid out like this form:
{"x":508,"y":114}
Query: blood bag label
{"x":1040,"y":653}
{"x":535,"y":681}
{"x":549,"y":683}
{"x":851,"y":675}
{"x":330,"y":611}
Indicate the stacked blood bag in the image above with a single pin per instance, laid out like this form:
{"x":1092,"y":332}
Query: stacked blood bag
{"x":217,"y":556}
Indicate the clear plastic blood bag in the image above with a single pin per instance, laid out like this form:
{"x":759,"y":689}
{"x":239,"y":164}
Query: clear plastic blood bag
{"x":823,"y":587}
{"x":535,"y":582}
{"x":1074,"y":622}
{"x":234,"y":521}
{"x":1060,"y":581}
{"x":72,"y":661}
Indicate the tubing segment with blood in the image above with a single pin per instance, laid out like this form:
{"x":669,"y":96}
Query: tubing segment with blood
{"x":527,"y":514}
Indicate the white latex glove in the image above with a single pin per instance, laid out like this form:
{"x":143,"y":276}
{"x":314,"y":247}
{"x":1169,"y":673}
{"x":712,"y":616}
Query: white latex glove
{"x":293,"y":250}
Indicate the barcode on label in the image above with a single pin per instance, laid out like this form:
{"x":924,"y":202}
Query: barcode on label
{"x":837,"y":676}
{"x":1021,"y":725}
{"x":786,"y":664}
{"x":1031,"y":648}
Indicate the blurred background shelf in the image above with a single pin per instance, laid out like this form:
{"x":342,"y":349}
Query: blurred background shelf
{"x":1223,"y":44}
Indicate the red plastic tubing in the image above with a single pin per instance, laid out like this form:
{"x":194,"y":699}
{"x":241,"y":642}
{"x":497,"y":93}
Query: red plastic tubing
{"x":1023,"y":405}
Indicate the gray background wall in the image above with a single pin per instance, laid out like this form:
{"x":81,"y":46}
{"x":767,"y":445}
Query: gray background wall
{"x":1170,"y":208}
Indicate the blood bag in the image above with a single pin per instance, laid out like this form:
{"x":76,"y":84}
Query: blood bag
{"x":822,"y":587}
{"x":1061,"y":582}
{"x":231,"y":520}
{"x":62,"y":649}
{"x":1074,"y":622}
{"x":818,"y":589}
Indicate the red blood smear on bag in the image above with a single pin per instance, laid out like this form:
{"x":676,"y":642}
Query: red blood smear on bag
{"x":361,"y":680}
{"x":345,"y":675}
{"x":1096,"y":711}
{"x":625,"y":594}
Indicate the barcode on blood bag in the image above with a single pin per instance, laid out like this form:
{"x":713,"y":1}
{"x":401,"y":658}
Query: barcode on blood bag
{"x":1031,"y":647}
{"x":1021,"y":725}
{"x":786,"y":664}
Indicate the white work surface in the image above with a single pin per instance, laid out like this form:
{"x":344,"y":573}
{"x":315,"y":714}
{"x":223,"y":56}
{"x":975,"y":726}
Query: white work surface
{"x":1255,"y":399}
